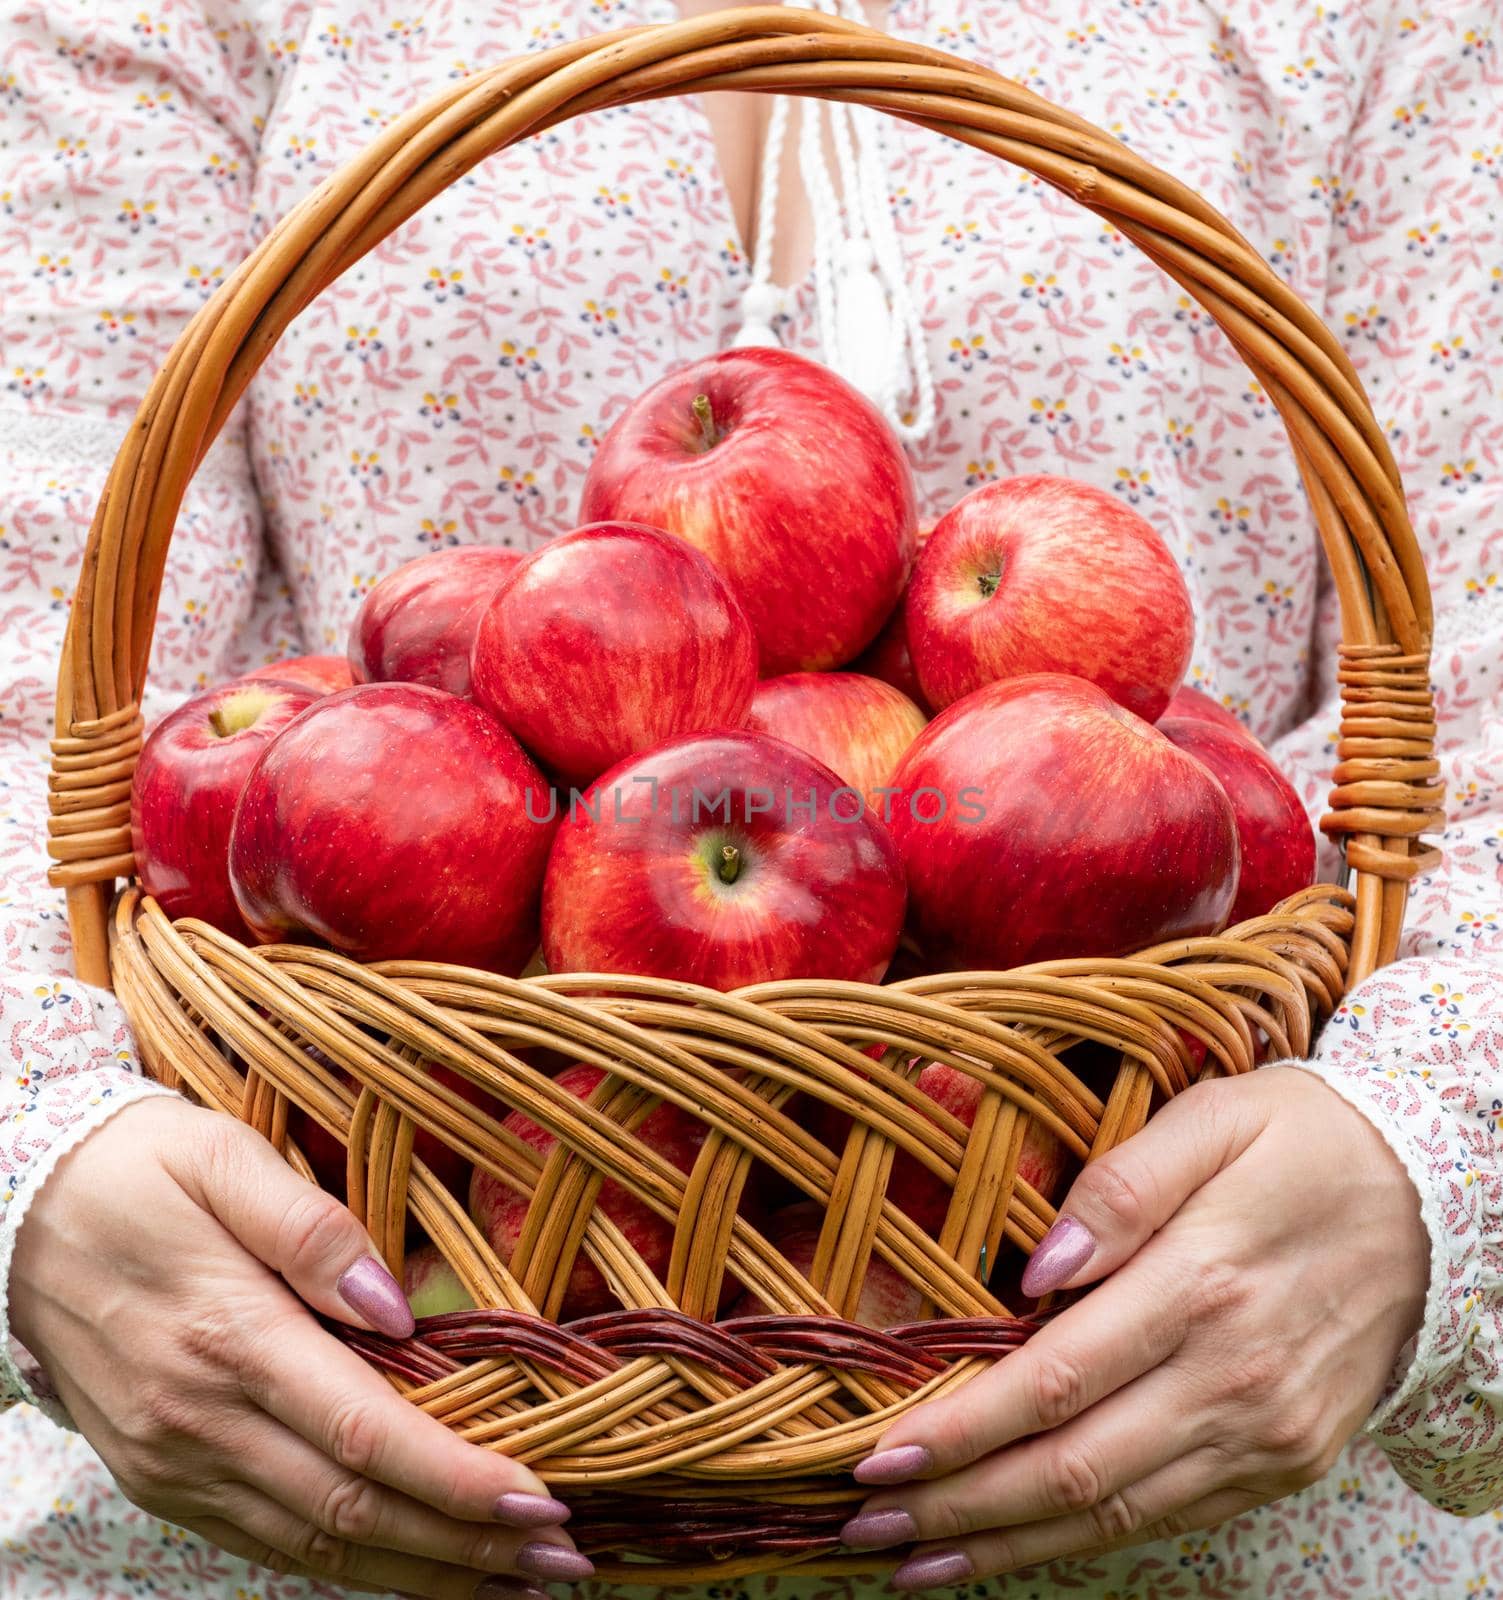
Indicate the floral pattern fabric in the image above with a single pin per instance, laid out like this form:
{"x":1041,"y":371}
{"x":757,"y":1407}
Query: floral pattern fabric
{"x":452,"y":387}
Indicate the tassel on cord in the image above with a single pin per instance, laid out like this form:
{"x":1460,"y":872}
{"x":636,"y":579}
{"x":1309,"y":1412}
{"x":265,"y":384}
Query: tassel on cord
{"x":764,"y":299}
{"x":869,"y":325}
{"x":910,"y":350}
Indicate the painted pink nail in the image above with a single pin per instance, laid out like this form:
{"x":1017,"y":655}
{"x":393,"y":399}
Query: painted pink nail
{"x":531,"y":1510}
{"x":879,"y":1530}
{"x":1059,"y":1255}
{"x":371,"y":1292}
{"x":902,"y":1465}
{"x":936,"y":1569}
{"x":553,"y":1562}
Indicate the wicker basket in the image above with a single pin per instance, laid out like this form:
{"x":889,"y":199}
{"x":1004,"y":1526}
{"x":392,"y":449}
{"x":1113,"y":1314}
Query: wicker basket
{"x":690,"y":1449}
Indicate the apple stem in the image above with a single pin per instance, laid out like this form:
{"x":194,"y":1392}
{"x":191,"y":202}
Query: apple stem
{"x":730,"y":863}
{"x":987,"y":583}
{"x":219,"y":723}
{"x":704,"y":415}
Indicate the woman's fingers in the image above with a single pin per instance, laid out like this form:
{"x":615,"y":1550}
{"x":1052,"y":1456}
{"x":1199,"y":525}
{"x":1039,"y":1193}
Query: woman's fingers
{"x":295,"y":1228}
{"x":327,"y":1395}
{"x":1170,"y":1502}
{"x":268,"y":1535}
{"x":1128,"y":1326}
{"x":287,"y":1469}
{"x":1123,"y":1198}
{"x":1057,"y":1474}
{"x":1133,"y":1321}
{"x":304,"y":1377}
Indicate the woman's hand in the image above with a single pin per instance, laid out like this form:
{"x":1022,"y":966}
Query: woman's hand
{"x":1267,"y":1264}
{"x":163,"y":1276}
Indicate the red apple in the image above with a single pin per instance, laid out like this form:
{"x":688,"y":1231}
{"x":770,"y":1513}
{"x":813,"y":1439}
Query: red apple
{"x":417,"y":625}
{"x":188,"y":778}
{"x":724,"y":859}
{"x":787,"y":478}
{"x":856,"y":726}
{"x":326,"y":1155}
{"x":887,"y":1299}
{"x":916,"y":1191}
{"x":1098,"y":1065}
{"x":1191,"y":702}
{"x":912,"y":1187}
{"x":327,"y":674}
{"x":609,"y":640}
{"x":394,"y":820}
{"x":1041,"y":819}
{"x":431,"y":1285}
{"x":888,"y":657}
{"x":1273,"y":828}
{"x":501,"y":1211}
{"x":1043,"y":574}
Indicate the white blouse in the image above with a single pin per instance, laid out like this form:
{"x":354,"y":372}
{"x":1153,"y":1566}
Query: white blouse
{"x":452,"y":387}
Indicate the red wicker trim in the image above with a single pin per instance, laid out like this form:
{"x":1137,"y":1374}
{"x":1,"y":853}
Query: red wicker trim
{"x":745,"y":1350}
{"x":695,"y":1526}
{"x":704,"y":1530}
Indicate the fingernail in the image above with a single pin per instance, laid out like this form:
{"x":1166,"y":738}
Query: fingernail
{"x":531,"y":1510}
{"x":879,"y":1530}
{"x":502,"y":1587}
{"x":553,"y":1561}
{"x":933,"y":1570}
{"x":370,"y":1291}
{"x":895,"y":1466}
{"x":1059,"y":1255}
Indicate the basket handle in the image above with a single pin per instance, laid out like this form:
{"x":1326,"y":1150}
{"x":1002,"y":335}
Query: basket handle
{"x":1385,"y":793}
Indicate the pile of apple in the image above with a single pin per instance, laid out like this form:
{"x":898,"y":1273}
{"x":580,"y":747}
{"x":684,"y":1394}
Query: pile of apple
{"x":692,"y":739}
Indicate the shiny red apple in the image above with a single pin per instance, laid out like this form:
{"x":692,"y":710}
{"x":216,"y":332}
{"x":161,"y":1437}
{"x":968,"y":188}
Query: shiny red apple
{"x":326,"y":1155}
{"x":916,"y":1191}
{"x":394,"y":820}
{"x":1043,"y":574}
{"x":1273,"y":828}
{"x":722,"y":859}
{"x":787,"y":478}
{"x":888,"y":657}
{"x":609,"y":640}
{"x":327,"y":674}
{"x":858,"y":727}
{"x":911,"y":1186}
{"x":417,"y":625}
{"x":187,"y":782}
{"x":886,"y":1300}
{"x":500,"y":1211}
{"x":431,"y":1285}
{"x":1040,"y":819}
{"x":1191,"y":702}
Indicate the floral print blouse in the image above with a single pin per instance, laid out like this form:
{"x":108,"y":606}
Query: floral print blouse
{"x":453,"y":386}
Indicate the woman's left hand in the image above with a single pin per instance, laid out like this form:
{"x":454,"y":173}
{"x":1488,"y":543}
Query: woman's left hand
{"x":1265,"y":1265}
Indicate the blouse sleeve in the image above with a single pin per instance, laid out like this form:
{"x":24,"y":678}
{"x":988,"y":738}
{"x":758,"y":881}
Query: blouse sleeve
{"x":1415,"y":287}
{"x":127,"y":134}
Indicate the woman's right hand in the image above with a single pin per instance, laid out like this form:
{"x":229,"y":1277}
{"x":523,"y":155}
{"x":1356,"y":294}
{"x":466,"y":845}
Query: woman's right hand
{"x":162,"y":1278}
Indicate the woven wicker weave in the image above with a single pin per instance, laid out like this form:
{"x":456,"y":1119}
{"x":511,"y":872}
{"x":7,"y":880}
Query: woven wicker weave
{"x":717,"y":1449}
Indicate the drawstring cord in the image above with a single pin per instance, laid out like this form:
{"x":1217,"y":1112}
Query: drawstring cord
{"x":868,"y":321}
